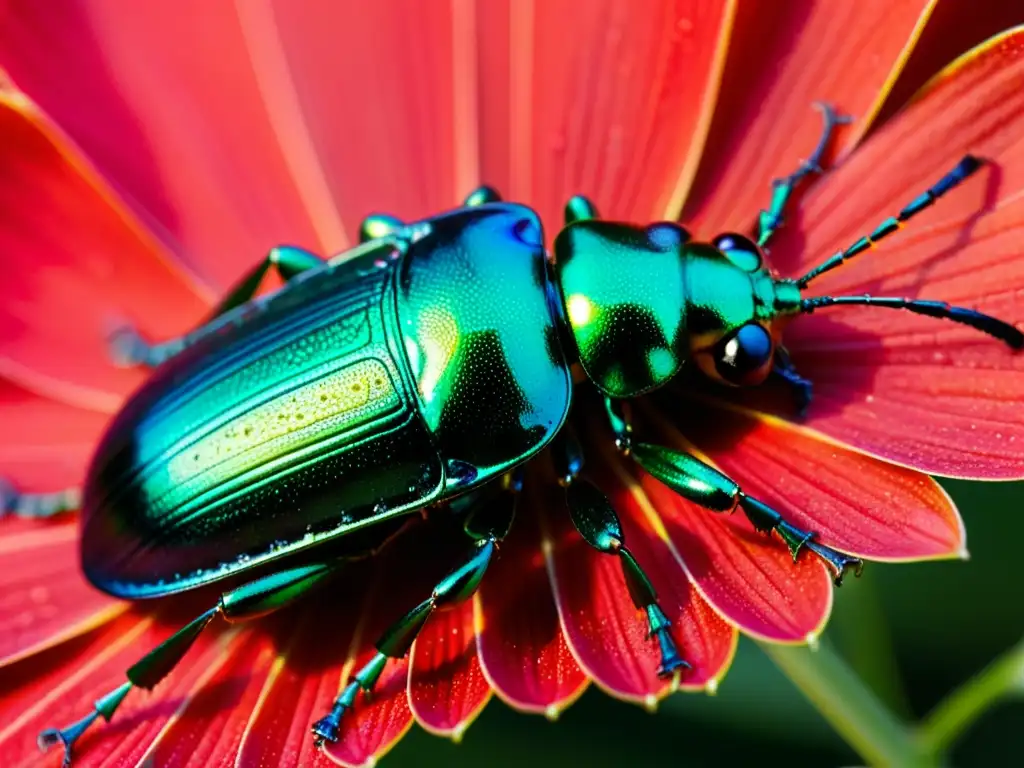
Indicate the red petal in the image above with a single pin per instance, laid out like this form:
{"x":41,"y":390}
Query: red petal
{"x":952,"y":29}
{"x":143,"y":718}
{"x":749,"y":578}
{"x":373,"y":727}
{"x":392,"y":121}
{"x":75,"y":264}
{"x":705,"y":640}
{"x":522,"y":648}
{"x":607,"y":633}
{"x":139,"y":719}
{"x":46,"y":444}
{"x":29,"y":686}
{"x":405,"y":575}
{"x":44,"y":598}
{"x":313,"y":644}
{"x":208,"y":726}
{"x":447,"y":688}
{"x":855,"y":503}
{"x":933,"y":395}
{"x":609,"y":98}
{"x":782,"y":59}
{"x":185,"y":108}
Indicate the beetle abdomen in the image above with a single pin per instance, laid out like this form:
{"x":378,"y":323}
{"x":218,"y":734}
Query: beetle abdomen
{"x":288,"y":428}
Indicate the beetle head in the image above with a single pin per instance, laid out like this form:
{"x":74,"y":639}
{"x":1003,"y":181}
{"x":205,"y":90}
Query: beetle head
{"x":642,"y":300}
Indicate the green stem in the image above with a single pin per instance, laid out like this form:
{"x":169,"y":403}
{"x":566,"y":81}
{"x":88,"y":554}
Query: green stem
{"x":849,"y":706}
{"x":862,"y":637}
{"x":958,"y":711}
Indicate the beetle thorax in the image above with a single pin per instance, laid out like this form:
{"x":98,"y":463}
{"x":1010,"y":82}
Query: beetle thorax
{"x":625,"y":296}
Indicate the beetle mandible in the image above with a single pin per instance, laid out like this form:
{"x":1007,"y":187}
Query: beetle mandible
{"x":296,"y":431}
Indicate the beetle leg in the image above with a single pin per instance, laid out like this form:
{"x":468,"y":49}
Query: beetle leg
{"x":802,"y":389}
{"x":598,"y":524}
{"x":579,"y":208}
{"x":481,"y":195}
{"x":488,"y":520}
{"x":36,"y":505}
{"x":702,"y":484}
{"x":378,"y":225}
{"x":249,"y":601}
{"x":128,"y":348}
{"x":769,"y":221}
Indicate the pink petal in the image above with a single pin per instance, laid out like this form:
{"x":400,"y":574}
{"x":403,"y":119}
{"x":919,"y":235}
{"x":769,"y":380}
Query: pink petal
{"x":853,"y":502}
{"x":44,"y":598}
{"x":185,"y":108}
{"x":782,"y":59}
{"x":609,"y":99}
{"x":404,"y":575}
{"x":313,"y":647}
{"x":607,"y":633}
{"x":951,"y":30}
{"x":46,"y":444}
{"x":522,"y":648}
{"x":30,"y":686}
{"x":76,"y":263}
{"x":387,"y":95}
{"x":932,"y":395}
{"x":209,"y":726}
{"x":447,"y":687}
{"x":140,"y":718}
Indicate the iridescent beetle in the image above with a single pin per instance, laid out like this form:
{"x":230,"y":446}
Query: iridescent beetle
{"x":298,"y":431}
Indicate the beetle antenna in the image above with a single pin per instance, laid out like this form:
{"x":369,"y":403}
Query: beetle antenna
{"x":962,"y":171}
{"x":985,"y":323}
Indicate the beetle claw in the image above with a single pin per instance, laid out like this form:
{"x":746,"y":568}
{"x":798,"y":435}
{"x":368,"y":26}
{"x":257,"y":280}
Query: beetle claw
{"x":671,"y":662}
{"x":837,"y":562}
{"x":66,"y":736}
{"x":52,"y":736}
{"x":126,"y":347}
{"x":326,"y":728}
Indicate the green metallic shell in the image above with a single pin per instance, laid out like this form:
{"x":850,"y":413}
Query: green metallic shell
{"x":296,"y":424}
{"x":481,"y":333}
{"x":625,"y":297}
{"x":322,"y":414}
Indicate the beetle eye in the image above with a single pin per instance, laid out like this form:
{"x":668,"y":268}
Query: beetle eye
{"x":740,"y":250}
{"x":742,"y":357}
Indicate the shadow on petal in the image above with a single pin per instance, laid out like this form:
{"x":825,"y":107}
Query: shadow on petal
{"x":943,"y":398}
{"x":784,"y":57}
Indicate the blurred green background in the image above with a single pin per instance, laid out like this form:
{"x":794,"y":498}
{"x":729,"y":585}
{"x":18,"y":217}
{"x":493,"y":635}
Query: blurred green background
{"x":912,"y":632}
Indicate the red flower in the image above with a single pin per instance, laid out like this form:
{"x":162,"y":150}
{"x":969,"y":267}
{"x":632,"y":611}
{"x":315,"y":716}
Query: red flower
{"x":151,"y":153}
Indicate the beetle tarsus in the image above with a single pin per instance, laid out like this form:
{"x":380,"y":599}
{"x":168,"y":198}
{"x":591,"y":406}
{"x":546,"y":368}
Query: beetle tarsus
{"x":660,"y":628}
{"x":771,"y":219}
{"x":66,"y":736}
{"x":671,"y":661}
{"x":36,"y":505}
{"x":327,"y":728}
{"x":837,"y":562}
{"x":128,"y":349}
{"x":764,"y":518}
{"x":802,"y":389}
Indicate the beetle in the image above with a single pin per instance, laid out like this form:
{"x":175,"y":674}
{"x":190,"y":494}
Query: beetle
{"x":299,"y":430}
